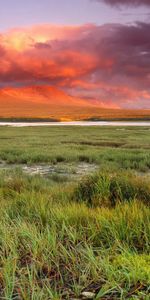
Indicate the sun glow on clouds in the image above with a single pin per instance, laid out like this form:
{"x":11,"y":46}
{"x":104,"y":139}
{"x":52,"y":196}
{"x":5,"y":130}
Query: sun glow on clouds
{"x":107,"y":65}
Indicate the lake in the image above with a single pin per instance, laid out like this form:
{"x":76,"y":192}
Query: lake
{"x":77,"y":123}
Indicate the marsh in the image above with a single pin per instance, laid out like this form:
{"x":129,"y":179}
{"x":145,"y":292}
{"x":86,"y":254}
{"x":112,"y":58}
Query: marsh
{"x":75,"y":214}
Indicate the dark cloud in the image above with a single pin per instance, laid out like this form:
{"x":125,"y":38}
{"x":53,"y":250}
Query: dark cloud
{"x":125,"y":2}
{"x":39,"y":46}
{"x":2,"y":51}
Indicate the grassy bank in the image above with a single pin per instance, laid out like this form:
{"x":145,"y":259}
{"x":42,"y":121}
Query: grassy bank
{"x":62,"y":239}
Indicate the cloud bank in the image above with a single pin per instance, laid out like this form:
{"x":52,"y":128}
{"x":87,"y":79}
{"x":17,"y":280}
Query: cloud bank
{"x":103,"y":64}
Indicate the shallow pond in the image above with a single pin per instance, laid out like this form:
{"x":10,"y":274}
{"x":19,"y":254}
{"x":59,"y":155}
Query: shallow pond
{"x":68,"y":170}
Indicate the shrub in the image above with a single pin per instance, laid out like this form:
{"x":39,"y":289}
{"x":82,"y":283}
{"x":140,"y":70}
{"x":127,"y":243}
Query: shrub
{"x":108,"y":189}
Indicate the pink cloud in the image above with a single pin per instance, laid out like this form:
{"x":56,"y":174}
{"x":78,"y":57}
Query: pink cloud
{"x":108,"y":63}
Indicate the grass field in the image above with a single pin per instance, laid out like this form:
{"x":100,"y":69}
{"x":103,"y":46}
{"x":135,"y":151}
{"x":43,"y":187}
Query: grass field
{"x":106,"y":146}
{"x":83,"y":239}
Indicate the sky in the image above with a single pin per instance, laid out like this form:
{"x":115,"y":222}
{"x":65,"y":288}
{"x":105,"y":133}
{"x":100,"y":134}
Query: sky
{"x":97,"y":50}
{"x":19,"y":13}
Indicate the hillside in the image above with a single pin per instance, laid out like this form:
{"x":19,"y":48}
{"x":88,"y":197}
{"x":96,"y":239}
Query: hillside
{"x":50,"y":102}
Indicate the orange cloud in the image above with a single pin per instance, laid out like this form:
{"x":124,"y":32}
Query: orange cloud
{"x":22,"y":39}
{"x":107,"y":65}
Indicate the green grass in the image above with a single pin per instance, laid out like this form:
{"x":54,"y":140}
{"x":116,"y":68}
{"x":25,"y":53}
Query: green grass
{"x":103,"y":189}
{"x":117,"y":147}
{"x":60,"y":238}
{"x":54,"y":245}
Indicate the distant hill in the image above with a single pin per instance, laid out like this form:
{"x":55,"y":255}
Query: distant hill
{"x":49,"y":102}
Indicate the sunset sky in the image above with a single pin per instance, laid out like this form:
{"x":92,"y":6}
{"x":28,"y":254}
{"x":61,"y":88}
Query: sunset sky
{"x":95,"y":51}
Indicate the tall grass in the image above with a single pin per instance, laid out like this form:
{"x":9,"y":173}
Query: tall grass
{"x":56,"y":243}
{"x":103,"y":189}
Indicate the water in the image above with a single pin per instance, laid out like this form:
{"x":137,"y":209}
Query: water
{"x":70,"y":170}
{"x":77,"y":123}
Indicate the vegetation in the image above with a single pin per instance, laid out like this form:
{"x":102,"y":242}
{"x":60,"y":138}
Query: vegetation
{"x":104,"y":189}
{"x":134,"y":118}
{"x":30,"y":120}
{"x":114,"y":147}
{"x":61,"y":239}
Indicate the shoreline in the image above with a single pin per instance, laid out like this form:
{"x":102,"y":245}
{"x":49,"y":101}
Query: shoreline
{"x":77,"y":123}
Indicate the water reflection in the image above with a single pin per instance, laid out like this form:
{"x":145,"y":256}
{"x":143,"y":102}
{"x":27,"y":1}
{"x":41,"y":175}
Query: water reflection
{"x":76,"y":123}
